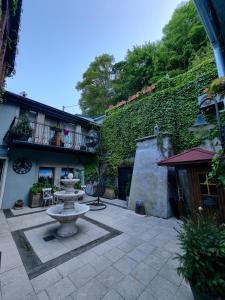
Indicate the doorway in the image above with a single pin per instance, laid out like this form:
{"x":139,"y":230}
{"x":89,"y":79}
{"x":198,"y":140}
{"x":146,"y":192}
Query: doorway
{"x":124,"y":180}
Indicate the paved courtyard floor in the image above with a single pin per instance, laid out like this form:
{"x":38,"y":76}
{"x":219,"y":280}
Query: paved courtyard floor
{"x":116,"y":255}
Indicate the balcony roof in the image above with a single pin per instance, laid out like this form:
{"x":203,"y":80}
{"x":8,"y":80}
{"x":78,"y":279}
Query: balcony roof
{"x":55,"y":113}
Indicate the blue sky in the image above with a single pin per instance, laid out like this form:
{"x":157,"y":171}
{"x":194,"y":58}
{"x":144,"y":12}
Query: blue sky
{"x":58,"y":40}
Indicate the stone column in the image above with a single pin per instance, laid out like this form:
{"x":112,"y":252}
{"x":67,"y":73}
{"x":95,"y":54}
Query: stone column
{"x":150,"y":181}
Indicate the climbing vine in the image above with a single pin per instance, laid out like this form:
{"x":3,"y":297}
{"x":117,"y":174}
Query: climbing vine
{"x":173,"y":106}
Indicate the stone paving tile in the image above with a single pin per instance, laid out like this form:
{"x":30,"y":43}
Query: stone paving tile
{"x":42,"y":295}
{"x":146,"y":296}
{"x":162,"y":289}
{"x":31,"y":296}
{"x":44,"y":280}
{"x":184,"y":293}
{"x":100,"y":263}
{"x":125,"y":265}
{"x":112,"y":295}
{"x":110,"y":277}
{"x":114,"y":254}
{"x":144,"y":273}
{"x":15,"y":284}
{"x":126,"y":246}
{"x":129,"y":288}
{"x":169,"y":272}
{"x":93,"y":290}
{"x":155,"y":261}
{"x":69,"y":266}
{"x":146,"y":247}
{"x":82,"y":275}
{"x":137,"y":255}
{"x":60,"y":289}
{"x":102,"y":249}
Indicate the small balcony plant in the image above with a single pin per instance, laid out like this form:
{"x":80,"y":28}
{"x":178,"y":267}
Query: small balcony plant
{"x":56,"y":140}
{"x":202,"y":262}
{"x":22,"y":130}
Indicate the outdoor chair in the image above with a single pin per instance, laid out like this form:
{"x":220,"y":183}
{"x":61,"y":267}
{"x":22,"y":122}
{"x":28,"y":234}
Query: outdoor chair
{"x":47,"y":197}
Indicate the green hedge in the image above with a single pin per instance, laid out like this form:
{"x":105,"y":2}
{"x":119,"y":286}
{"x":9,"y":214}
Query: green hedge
{"x":173,"y":106}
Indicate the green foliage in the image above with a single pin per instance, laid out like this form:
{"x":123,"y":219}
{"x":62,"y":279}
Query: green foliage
{"x":22,"y":127}
{"x":37,"y":188}
{"x":77,"y":186}
{"x":184,"y":45}
{"x":202,"y":263}
{"x":173,"y":107}
{"x":218,"y":87}
{"x":90,"y":172}
{"x":96,"y":90}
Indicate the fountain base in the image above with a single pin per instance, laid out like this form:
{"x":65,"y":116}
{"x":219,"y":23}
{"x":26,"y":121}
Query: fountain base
{"x":67,"y":219}
{"x":67,"y":229}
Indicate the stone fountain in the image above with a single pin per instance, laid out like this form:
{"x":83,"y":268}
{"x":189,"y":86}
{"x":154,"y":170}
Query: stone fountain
{"x":68,"y":212}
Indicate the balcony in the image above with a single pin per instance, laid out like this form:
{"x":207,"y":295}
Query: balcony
{"x":37,"y":135}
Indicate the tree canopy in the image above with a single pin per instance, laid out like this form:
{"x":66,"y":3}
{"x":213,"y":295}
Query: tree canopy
{"x":105,"y":82}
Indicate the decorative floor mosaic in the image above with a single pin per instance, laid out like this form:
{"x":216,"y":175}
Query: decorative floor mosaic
{"x":39,"y":256}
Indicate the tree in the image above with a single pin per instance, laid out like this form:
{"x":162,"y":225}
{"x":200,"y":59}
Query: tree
{"x":96,"y":89}
{"x":184,"y":36}
{"x":135,"y":72}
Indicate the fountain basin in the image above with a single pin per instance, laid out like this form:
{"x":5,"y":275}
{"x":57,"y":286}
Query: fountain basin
{"x":67,"y":219}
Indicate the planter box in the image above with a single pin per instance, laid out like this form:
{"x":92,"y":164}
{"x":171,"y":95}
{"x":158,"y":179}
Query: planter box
{"x":35,"y":200}
{"x":109,"y":194}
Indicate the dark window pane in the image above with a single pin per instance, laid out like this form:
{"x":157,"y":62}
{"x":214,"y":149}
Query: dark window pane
{"x":203,"y":188}
{"x":202,"y":178}
{"x":213,"y":190}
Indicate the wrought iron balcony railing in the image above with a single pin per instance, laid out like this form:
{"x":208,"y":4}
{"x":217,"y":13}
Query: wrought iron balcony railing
{"x":41,"y":134}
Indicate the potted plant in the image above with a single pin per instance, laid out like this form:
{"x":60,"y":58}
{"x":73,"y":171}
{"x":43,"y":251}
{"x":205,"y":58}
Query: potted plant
{"x":56,"y":140}
{"x":202,"y":262}
{"x":35,"y":194}
{"x":21,"y":130}
{"x":18,"y":204}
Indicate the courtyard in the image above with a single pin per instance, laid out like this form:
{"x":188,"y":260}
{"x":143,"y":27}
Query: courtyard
{"x":116,"y":255}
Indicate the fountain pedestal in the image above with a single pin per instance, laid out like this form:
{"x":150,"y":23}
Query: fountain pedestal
{"x":68,"y":212}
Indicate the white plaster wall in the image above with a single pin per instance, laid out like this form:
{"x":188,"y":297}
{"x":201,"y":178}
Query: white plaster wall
{"x":150,"y":181}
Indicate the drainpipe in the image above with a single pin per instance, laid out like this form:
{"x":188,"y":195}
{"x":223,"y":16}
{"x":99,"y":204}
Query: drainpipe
{"x":211,"y":24}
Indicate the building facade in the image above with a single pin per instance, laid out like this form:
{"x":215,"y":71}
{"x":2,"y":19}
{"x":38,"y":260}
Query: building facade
{"x":10,"y":11}
{"x":39,"y":142}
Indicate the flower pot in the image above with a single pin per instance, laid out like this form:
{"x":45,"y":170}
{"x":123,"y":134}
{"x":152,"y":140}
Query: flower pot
{"x":199,"y":296}
{"x":18,"y":204}
{"x":35,"y":200}
{"x":109,"y":194}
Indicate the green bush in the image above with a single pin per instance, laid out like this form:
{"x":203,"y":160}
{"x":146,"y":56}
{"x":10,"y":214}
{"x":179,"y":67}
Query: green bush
{"x":202,"y":263}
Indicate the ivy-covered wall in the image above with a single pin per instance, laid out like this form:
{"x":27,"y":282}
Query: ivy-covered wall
{"x":173,"y":106}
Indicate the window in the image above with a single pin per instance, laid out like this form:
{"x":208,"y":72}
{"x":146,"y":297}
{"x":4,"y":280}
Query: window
{"x":208,"y":192}
{"x":65,"y":172}
{"x":206,"y":187}
{"x":46,"y":176}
